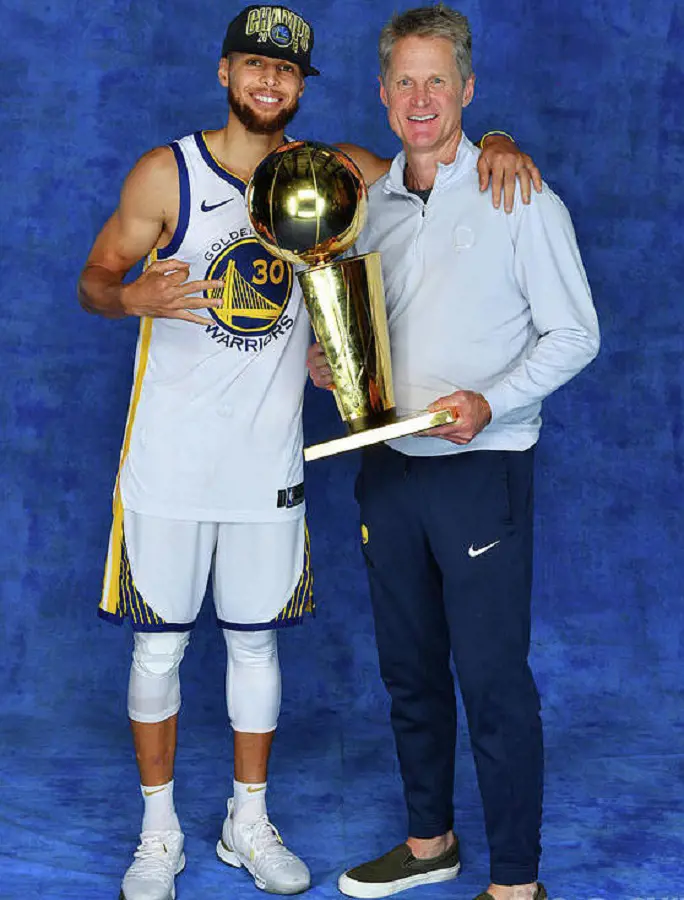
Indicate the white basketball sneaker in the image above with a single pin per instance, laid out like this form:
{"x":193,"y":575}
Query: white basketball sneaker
{"x":152,"y":875}
{"x":259,"y":848}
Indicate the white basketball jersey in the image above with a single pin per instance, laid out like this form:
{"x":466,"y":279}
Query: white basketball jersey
{"x":214,"y":430}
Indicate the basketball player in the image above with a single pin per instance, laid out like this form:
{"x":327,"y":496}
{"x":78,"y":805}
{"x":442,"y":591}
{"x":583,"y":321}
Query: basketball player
{"x":219,"y":378}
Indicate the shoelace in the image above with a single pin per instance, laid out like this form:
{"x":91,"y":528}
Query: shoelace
{"x":153,"y":854}
{"x":268,"y":844}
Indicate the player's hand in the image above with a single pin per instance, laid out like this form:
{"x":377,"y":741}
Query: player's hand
{"x":472,"y":414}
{"x":319,"y":370}
{"x":163,"y":291}
{"x":502,"y":161}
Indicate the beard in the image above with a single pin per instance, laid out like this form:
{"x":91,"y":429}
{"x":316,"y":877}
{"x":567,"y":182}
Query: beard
{"x":254,"y":123}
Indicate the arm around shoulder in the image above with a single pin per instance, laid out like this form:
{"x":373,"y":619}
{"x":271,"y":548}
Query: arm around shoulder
{"x":372,"y":166}
{"x":502,"y":162}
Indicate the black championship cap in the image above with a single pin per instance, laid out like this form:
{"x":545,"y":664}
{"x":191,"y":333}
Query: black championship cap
{"x":273,"y":31}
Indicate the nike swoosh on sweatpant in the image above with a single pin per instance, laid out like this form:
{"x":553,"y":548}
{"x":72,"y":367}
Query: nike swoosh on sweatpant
{"x":472,"y":552}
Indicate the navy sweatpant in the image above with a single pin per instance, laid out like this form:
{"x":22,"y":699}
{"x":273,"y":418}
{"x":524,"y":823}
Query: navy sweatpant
{"x":448,"y":548}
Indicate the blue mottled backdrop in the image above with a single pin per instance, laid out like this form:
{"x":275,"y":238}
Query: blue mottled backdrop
{"x":594,"y":92}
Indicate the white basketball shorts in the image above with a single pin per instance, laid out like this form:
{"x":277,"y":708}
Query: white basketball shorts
{"x":260,"y":572}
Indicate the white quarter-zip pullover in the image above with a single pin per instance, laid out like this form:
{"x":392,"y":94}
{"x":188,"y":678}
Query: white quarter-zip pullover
{"x":479,"y":300}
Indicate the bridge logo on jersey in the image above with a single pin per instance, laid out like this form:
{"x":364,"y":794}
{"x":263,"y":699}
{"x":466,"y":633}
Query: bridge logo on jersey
{"x":257,"y":287}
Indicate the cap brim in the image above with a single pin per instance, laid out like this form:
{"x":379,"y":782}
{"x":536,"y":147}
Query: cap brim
{"x":236,"y":47}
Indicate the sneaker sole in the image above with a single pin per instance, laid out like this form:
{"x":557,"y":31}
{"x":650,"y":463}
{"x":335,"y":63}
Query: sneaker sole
{"x":181,"y":866}
{"x":367,"y":890}
{"x":230,"y":858}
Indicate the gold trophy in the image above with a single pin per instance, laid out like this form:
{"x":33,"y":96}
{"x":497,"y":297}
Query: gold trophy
{"x":307,"y":203}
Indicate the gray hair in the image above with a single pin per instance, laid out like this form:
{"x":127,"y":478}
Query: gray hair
{"x":437,"y":21}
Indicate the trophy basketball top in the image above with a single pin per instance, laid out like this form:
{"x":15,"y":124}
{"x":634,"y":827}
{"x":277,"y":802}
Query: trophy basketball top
{"x":307,"y":202}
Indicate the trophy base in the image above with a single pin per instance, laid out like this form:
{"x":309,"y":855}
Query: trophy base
{"x":399,"y":428}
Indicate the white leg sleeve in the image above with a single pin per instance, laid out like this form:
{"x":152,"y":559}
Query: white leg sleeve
{"x":154,"y":686}
{"x":253,"y":680}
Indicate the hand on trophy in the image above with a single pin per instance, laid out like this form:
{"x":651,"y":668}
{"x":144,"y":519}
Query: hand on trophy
{"x":472,"y":414}
{"x":319,"y":370}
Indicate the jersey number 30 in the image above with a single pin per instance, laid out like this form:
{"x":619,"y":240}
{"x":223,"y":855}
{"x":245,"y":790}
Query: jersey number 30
{"x":264,"y":272}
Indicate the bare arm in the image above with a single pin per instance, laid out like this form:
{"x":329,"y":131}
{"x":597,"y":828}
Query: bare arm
{"x":149,"y":203}
{"x":500,"y":160}
{"x":372,"y":166}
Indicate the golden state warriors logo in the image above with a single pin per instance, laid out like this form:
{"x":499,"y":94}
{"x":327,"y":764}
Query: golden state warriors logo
{"x":281,"y":35}
{"x":257,"y":287}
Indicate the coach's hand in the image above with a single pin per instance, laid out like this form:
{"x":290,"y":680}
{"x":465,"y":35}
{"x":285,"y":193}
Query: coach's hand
{"x":472,"y":414}
{"x":163,"y":291}
{"x":502,"y":161}
{"x":319,"y":370}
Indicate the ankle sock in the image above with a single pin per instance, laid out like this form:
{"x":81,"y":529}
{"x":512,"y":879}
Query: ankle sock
{"x":249,"y":800}
{"x":160,"y":812}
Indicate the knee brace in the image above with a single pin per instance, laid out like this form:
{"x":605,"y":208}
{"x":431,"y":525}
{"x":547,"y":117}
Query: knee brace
{"x":253,"y":680}
{"x":154,"y":685}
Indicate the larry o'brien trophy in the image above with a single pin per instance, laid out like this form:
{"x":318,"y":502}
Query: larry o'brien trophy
{"x":307,"y":203}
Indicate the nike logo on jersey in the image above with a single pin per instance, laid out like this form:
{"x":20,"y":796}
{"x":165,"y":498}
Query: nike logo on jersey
{"x":472,"y":552}
{"x":206,"y":208}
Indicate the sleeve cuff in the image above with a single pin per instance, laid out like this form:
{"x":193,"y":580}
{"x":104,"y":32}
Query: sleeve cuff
{"x":498,"y":401}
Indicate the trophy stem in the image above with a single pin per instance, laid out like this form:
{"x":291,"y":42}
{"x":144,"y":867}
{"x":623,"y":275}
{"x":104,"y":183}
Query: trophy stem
{"x":346,"y":304}
{"x":363,"y":423}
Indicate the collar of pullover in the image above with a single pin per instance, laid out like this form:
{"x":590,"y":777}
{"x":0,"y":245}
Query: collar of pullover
{"x":446,"y":174}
